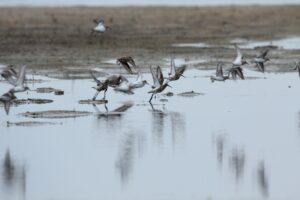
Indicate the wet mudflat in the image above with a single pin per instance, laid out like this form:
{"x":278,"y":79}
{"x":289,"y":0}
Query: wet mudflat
{"x":236,"y":140}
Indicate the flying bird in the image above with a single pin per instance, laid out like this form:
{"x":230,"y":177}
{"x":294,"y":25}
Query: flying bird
{"x":175,"y":72}
{"x":159,"y":83}
{"x":127,"y":62}
{"x":100,"y":26}
{"x":260,"y":59}
{"x":219,"y":74}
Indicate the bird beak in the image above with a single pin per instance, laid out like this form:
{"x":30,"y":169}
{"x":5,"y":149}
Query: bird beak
{"x":169,"y":86}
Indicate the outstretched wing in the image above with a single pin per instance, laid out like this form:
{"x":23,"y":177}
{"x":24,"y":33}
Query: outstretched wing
{"x":160,"y":75}
{"x":239,"y":55}
{"x":219,"y":71}
{"x":172,"y":67}
{"x":239,"y":72}
{"x":21,"y":77}
{"x":263,"y":54}
{"x":261,"y":66}
{"x":95,"y":79}
{"x":131,"y":61}
{"x":180,"y":70}
{"x":154,"y":77}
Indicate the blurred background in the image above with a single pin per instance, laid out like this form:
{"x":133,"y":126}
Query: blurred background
{"x":145,"y":2}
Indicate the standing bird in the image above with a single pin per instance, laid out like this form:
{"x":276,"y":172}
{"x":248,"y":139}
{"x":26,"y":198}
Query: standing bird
{"x":175,"y":72}
{"x":219,"y":74}
{"x":101,"y":86}
{"x":159,"y":83}
{"x":6,"y":100}
{"x":100,"y":26}
{"x":297,"y":67}
{"x":127,"y":62}
{"x":260,"y":59}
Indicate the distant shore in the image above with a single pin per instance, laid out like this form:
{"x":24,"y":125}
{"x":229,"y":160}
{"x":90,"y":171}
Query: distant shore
{"x":48,"y":37}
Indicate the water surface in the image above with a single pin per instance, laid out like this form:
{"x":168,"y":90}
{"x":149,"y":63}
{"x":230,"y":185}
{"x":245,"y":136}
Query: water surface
{"x":240,"y":140}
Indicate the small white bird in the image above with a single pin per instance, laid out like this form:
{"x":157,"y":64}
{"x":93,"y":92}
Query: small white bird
{"x":124,"y":87}
{"x":100,"y":27}
{"x":139,"y":82}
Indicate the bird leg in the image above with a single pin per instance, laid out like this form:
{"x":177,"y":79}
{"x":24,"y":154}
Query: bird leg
{"x":104,"y":95}
{"x":151,"y":98}
{"x":94,"y":98}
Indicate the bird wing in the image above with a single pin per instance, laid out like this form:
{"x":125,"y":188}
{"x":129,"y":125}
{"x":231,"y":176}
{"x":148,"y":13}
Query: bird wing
{"x":219,"y":71}
{"x":261,"y":66}
{"x":180,"y":70}
{"x":7,"y":106}
{"x":154,"y":77}
{"x":125,"y":65}
{"x":160,"y":75}
{"x":21,"y":78}
{"x":139,"y":77}
{"x":95,"y":79}
{"x":131,"y":61}
{"x":239,"y":72}
{"x":263,"y":54}
{"x":172,"y":67}
{"x":239,"y":55}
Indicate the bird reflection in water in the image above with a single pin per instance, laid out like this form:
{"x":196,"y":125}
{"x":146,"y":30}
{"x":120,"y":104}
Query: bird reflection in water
{"x":14,"y":176}
{"x":237,"y":162}
{"x":220,"y":141}
{"x":114,"y":113}
{"x":177,"y":127}
{"x":262,"y":179}
{"x":159,"y":120}
{"x":129,"y":147}
{"x":111,"y":118}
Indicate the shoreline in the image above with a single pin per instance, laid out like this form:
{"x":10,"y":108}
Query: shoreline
{"x":58,"y":39}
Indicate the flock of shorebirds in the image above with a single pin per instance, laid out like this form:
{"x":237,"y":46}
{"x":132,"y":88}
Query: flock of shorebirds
{"x":122,"y":84}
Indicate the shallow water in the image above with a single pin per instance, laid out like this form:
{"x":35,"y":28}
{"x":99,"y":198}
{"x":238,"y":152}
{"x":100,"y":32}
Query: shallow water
{"x":240,"y":140}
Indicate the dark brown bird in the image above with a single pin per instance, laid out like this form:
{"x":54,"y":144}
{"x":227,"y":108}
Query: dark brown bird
{"x":236,"y":71}
{"x":127,"y":62}
{"x":175,"y":72}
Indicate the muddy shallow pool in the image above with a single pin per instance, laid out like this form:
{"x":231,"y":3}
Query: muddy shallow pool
{"x":237,"y":140}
